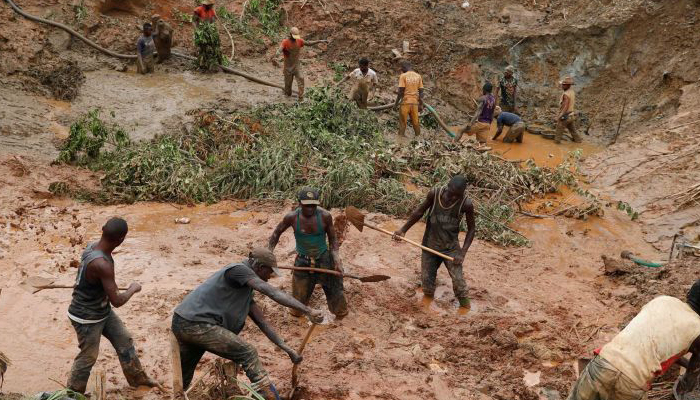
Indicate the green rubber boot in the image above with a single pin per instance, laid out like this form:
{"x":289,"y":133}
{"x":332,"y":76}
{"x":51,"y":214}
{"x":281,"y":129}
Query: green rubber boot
{"x":464,"y":302}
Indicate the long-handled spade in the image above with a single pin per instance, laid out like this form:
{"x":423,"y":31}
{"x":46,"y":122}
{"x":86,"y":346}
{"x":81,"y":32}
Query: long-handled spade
{"x":364,"y":279}
{"x":356,"y":217}
{"x":34,"y":284}
{"x":295,"y":368}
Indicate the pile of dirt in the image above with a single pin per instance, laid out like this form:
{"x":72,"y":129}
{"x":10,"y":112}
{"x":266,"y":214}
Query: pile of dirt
{"x":642,"y":284}
{"x":63,"y":81}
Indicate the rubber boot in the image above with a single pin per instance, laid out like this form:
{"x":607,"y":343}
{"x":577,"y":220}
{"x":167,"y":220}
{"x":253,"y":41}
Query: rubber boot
{"x":269,"y":392}
{"x":464,"y":302}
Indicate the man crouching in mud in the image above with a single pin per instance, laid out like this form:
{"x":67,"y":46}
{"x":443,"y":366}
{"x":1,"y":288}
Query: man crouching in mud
{"x":91,"y":311}
{"x":211,"y":317}
{"x":445,"y":206}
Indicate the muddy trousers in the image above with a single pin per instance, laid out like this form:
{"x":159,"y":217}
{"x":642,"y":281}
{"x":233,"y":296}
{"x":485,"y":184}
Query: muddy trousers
{"x":89,"y":336}
{"x":304,"y":283}
{"x":289,"y":76}
{"x":406,"y":111}
{"x":430,"y":264}
{"x":515,"y":133}
{"x":567,"y":124}
{"x":601,"y":381}
{"x":360,"y":94}
{"x":195,"y":338}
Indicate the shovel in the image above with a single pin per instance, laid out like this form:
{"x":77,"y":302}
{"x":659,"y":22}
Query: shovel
{"x":35,"y":284}
{"x":356,"y":217}
{"x":295,"y":368}
{"x":365,"y":279}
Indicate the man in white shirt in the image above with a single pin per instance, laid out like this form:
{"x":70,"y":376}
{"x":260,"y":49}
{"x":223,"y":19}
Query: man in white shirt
{"x":365,"y":78}
{"x":663,"y":332}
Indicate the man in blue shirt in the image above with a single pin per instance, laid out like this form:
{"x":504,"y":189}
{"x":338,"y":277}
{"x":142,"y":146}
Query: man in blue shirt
{"x":516,"y":127}
{"x":145,"y":50}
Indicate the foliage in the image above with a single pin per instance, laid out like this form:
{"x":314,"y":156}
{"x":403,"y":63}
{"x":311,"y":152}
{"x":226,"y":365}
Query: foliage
{"x":428,"y":121}
{"x":66,"y":393}
{"x":206,"y":38}
{"x":622,"y":206}
{"x":80,"y":13}
{"x":259,"y":18}
{"x":181,"y":17}
{"x":339,"y":70}
{"x":326,"y":142}
{"x":87,"y":137}
{"x":268,"y":14}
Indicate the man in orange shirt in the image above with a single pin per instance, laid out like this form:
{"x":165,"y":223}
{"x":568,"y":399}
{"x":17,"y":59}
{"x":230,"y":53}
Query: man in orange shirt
{"x":204,"y":13}
{"x":291,"y":49}
{"x":411,"y":98}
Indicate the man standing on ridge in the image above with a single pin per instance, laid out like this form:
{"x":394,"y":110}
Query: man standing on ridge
{"x":311,"y":225}
{"x":508,"y":89}
{"x":410,"y":96}
{"x":91,"y":313}
{"x":566,"y":118}
{"x":204,"y":13}
{"x":211,"y":317}
{"x":365,"y":78}
{"x":445,"y":206}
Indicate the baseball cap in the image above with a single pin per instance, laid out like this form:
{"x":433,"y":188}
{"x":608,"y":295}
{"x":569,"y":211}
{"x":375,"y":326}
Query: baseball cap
{"x":295,"y":33}
{"x":308,"y":195}
{"x":265,"y":257}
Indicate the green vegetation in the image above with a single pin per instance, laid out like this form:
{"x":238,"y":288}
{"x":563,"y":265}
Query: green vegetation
{"x":259,"y":18}
{"x":208,"y":42}
{"x":325,"y":141}
{"x":623,"y":206}
{"x":339,"y":71}
{"x":80,"y":13}
{"x":181,"y":17}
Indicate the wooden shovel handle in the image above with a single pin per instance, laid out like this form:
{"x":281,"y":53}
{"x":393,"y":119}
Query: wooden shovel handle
{"x":325,"y":271}
{"x":428,"y":249}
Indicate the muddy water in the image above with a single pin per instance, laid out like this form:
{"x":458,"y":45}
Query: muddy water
{"x":543,"y":151}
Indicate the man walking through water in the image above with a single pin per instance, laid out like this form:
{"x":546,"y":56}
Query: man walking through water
{"x":311,"y":225}
{"x":211,"y":317}
{"x":91,"y":313}
{"x":410,"y":96}
{"x":566,"y":119}
{"x":445,"y":206}
{"x":480,"y":124}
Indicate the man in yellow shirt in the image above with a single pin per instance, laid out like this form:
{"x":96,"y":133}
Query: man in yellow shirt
{"x":411,"y":98}
{"x":566,"y":118}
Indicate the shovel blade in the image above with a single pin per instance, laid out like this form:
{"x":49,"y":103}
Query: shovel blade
{"x":374,"y":278}
{"x":355,"y":217}
{"x":34,"y":284}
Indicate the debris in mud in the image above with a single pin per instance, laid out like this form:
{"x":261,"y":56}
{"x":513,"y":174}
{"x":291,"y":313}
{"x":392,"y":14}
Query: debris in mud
{"x":326,"y":142}
{"x":64,"y":82}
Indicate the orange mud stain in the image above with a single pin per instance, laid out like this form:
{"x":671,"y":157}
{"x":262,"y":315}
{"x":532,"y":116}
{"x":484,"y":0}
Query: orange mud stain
{"x":57,"y":106}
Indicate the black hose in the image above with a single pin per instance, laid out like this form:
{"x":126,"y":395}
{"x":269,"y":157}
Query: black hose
{"x":129,"y":56}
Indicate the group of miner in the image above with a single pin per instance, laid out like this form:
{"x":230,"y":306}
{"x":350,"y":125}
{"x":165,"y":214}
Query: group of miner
{"x":211,"y":317}
{"x":156,"y":42}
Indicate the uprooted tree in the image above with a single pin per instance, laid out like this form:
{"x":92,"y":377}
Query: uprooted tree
{"x":270,"y":151}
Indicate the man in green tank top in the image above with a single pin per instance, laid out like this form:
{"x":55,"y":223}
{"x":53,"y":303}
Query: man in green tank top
{"x":311,"y":225}
{"x":446,"y":206}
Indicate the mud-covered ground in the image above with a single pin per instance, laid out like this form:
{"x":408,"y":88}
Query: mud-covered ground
{"x":535,"y":309}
